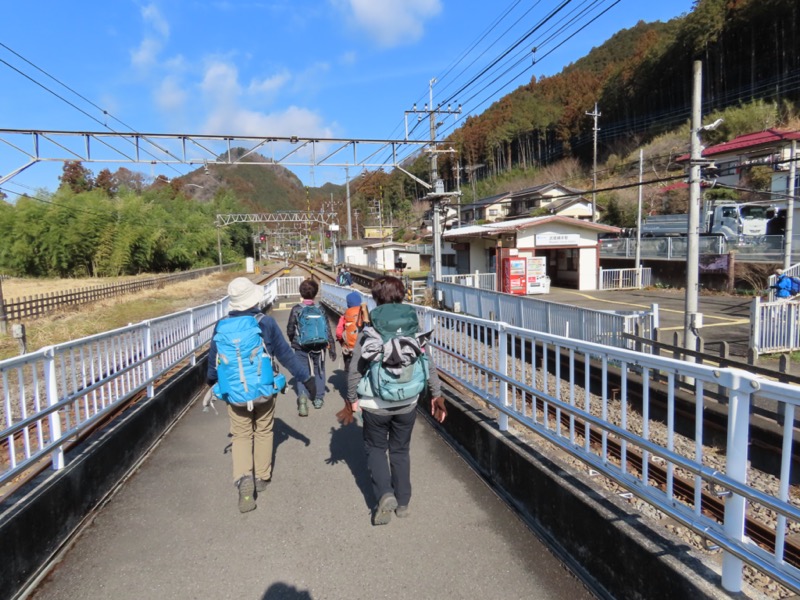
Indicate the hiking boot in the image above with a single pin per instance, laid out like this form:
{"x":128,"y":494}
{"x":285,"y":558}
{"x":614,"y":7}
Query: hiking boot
{"x":318,"y":402}
{"x":247,"y":501}
{"x":261,"y":484}
{"x":302,"y":406}
{"x":384,"y":510}
{"x":402,"y":512}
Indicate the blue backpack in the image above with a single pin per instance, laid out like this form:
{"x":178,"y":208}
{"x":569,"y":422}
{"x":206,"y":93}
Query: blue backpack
{"x":312,"y":328}
{"x":245,"y":370}
{"x":795,"y":288}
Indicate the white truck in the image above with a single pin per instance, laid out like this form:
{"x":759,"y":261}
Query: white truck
{"x":737,"y":223}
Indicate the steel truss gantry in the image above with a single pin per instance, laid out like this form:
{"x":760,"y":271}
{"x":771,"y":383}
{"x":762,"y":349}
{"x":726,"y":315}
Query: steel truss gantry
{"x":293,"y":216}
{"x":197,"y":149}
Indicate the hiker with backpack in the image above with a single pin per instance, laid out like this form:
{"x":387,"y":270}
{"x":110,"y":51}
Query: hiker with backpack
{"x":345,"y":278}
{"x":310,"y":335}
{"x":389,"y":371}
{"x":350,"y":325}
{"x":242,"y":372}
{"x":785,"y":286}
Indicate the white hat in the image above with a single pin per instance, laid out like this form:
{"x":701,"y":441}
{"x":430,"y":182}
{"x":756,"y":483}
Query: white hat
{"x":244,"y":294}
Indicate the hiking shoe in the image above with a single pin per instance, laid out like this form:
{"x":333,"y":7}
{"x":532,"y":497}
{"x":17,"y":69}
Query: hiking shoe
{"x":384,"y":510}
{"x":247,"y":501}
{"x":261,"y":484}
{"x":401,"y":512}
{"x":302,"y":406}
{"x":318,"y":402}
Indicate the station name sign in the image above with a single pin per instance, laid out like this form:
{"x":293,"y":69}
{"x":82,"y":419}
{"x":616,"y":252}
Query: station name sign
{"x":557,"y":239}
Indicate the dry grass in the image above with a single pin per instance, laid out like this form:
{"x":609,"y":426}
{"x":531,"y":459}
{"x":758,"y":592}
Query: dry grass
{"x":22,"y":287}
{"x":89,"y":319}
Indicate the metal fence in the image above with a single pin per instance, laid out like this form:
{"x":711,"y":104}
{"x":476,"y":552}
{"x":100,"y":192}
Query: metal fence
{"x":483,"y":281}
{"x":540,"y":315}
{"x":625,"y":279}
{"x":764,"y":249}
{"x":774,"y":326}
{"x":530,"y":378}
{"x":287,"y":286}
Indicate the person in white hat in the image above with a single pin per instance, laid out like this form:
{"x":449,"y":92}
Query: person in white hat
{"x":251,"y":430}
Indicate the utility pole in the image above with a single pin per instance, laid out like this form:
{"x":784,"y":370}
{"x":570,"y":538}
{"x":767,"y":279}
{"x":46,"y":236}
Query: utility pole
{"x":639,"y":224}
{"x":595,"y":129}
{"x":349,"y":222}
{"x":692,"y":319}
{"x":789,"y":232}
{"x":438,"y":184}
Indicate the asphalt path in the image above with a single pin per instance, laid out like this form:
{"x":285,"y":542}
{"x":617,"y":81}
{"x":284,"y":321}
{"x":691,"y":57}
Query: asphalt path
{"x":725,"y":317}
{"x":173,"y":529}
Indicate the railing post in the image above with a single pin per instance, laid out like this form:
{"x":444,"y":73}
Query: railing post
{"x":602,"y":283}
{"x":54,"y":418}
{"x":148,"y":351}
{"x":736,"y":468}
{"x":477,"y":279}
{"x":193,"y":360}
{"x":502,"y":353}
{"x":755,"y":325}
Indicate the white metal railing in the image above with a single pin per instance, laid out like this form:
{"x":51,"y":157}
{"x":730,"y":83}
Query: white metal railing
{"x":767,"y":248}
{"x":52,"y":395}
{"x":287,"y":286}
{"x":624,"y":279}
{"x":774,"y":326}
{"x":529,"y":377}
{"x":483,"y":281}
{"x":596,"y":326}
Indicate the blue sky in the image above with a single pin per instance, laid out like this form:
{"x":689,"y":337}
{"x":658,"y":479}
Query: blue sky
{"x":325,"y":68}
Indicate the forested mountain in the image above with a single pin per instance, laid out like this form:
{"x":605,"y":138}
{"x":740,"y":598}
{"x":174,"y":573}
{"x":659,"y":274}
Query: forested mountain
{"x":641,"y":79}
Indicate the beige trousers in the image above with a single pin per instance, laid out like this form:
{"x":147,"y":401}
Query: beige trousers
{"x":252,"y":439}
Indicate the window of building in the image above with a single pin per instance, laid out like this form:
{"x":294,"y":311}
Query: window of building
{"x":448,"y":260}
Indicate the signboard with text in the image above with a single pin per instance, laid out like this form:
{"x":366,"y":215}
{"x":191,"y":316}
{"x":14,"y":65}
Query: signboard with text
{"x":557,"y":239}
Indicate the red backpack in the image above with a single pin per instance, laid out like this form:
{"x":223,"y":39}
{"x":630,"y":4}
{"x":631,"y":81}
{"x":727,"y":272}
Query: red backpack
{"x":352,"y":325}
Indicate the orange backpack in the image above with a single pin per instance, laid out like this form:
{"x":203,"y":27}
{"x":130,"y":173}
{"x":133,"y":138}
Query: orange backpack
{"x":352,"y":325}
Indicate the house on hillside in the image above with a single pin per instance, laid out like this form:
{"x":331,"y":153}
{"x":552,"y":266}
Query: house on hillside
{"x":736,"y":158}
{"x":489,"y":210}
{"x":524,"y":202}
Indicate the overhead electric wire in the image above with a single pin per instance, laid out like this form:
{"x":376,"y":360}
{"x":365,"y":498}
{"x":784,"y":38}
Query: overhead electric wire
{"x":79,"y":95}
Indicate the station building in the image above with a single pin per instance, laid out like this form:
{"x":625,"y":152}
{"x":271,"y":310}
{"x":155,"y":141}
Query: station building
{"x":567,"y":247}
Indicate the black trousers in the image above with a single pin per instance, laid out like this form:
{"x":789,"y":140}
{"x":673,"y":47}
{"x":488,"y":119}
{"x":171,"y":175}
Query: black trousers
{"x":389,"y":434}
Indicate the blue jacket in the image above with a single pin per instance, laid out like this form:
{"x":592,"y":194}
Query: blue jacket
{"x":783,"y":287}
{"x":276,"y":346}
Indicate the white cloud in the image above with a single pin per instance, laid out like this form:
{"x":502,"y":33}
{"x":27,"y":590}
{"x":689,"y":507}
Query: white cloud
{"x":170,"y":95}
{"x":147,"y":52}
{"x":269,"y":85}
{"x":392,"y":23}
{"x":295,"y":120}
{"x":155,"y":19}
{"x":221,"y":82}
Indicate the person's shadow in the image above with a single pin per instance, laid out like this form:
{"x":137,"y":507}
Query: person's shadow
{"x":347,"y":446}
{"x":284,"y":591}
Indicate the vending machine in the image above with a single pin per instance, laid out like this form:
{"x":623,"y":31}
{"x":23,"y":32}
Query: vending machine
{"x":537,"y":275}
{"x":514,"y":280}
